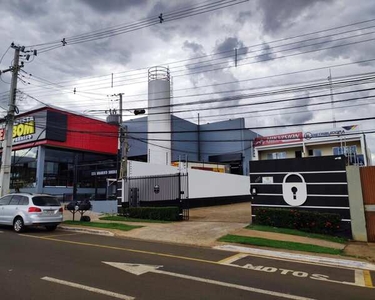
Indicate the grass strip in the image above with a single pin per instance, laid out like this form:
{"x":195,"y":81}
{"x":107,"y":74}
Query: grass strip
{"x":117,"y":226}
{"x":278,"y":244}
{"x":330,"y":238}
{"x":125,"y":219}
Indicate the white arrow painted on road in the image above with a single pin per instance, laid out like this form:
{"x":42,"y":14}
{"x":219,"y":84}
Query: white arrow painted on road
{"x":139,"y":269}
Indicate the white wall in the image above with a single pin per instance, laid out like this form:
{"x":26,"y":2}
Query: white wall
{"x":107,"y":206}
{"x":211,"y":184}
{"x":136,"y":168}
{"x":201,"y":183}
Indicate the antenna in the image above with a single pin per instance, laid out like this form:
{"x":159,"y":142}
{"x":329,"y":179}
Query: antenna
{"x":331,"y":92}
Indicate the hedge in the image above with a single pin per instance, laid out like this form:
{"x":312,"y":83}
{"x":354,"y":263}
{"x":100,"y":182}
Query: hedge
{"x":169,"y":213}
{"x":326,"y":223}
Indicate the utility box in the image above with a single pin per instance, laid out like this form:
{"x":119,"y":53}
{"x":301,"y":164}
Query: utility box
{"x":134,"y":197}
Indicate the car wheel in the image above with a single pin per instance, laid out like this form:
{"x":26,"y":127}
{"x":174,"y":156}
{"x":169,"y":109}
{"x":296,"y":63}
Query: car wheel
{"x":18,"y":225}
{"x":51,"y":227}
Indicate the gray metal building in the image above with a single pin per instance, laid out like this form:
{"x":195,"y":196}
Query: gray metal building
{"x":226,"y":142}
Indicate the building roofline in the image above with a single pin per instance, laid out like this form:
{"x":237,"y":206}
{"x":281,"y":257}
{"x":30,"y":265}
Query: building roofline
{"x":60,"y":109}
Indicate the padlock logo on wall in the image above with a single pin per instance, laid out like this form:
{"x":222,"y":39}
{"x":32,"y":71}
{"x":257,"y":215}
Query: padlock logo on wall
{"x":294,"y":189}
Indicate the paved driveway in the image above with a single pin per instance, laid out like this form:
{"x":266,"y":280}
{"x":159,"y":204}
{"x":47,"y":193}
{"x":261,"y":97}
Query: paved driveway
{"x":235,"y":213}
{"x":206,"y":225}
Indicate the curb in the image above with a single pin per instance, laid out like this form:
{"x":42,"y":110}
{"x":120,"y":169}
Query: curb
{"x":337,"y":262}
{"x":85,"y":230}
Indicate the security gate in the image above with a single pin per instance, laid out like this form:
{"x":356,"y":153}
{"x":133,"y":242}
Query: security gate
{"x":157,"y":191}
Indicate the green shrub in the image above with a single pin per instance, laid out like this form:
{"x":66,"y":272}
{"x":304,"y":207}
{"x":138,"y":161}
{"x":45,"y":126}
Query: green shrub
{"x":326,"y":223}
{"x":169,"y":213}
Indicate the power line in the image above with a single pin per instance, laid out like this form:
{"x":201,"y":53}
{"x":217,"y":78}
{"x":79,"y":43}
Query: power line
{"x":259,"y":127}
{"x":117,"y":30}
{"x":130,"y":82}
{"x":256,"y":45}
{"x":275,"y":92}
{"x":229,"y":91}
{"x":250,"y":96}
{"x":330,"y":41}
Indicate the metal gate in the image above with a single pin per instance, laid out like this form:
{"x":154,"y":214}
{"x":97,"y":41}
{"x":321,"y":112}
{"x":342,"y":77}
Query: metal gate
{"x":157,"y":191}
{"x":368,"y":192}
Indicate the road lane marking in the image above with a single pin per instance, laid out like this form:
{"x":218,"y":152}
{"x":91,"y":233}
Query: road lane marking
{"x":122,"y":249}
{"x":232,"y":259}
{"x":335,"y":262}
{"x":359,"y":278}
{"x":139,"y":269}
{"x":88,"y":288}
{"x":61,"y":235}
{"x":367,"y":278}
{"x":164,"y":255}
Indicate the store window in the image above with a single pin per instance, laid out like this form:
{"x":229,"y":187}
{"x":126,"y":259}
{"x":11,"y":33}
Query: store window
{"x":276,"y":155}
{"x":315,"y":152}
{"x":345,"y":150}
{"x":58,"y":168}
{"x":88,"y":170}
{"x":353,"y":158}
{"x":23,"y":172}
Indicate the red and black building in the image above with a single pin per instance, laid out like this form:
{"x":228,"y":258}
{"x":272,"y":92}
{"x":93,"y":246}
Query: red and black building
{"x":62,"y":153}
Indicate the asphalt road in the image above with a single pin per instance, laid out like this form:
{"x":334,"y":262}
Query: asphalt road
{"x":64,"y":265}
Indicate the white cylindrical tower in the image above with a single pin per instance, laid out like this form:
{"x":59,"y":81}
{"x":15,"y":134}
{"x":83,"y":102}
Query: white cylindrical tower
{"x":159,"y":116}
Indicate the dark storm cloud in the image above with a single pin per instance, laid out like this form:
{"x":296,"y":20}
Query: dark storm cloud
{"x":266,"y":53}
{"x":83,"y":60}
{"x":244,"y":16}
{"x":229,"y":44}
{"x":208,"y":71}
{"x":158,"y":8}
{"x":174,"y":25}
{"x":110,"y":6}
{"x":195,"y":47}
{"x":360,"y":52}
{"x":25,"y":8}
{"x":281,"y":14}
{"x":218,"y":62}
{"x":303,"y":115}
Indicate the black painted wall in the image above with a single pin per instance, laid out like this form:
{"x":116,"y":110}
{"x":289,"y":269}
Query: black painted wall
{"x":325,"y":177}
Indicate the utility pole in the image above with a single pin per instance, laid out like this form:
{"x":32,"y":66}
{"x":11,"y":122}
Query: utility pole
{"x":199,"y":139}
{"x":124,"y":152}
{"x":123,"y":144}
{"x":120,"y":95}
{"x":6,"y":157}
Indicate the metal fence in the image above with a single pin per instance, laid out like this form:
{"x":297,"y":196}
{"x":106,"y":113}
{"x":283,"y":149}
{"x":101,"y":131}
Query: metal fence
{"x":160,"y":190}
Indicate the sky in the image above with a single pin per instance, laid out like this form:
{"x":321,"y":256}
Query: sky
{"x":286,"y":50}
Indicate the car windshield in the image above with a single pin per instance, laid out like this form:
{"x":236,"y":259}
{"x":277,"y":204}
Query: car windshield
{"x":45,"y":201}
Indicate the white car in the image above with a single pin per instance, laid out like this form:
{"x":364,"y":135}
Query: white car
{"x":23,"y":209}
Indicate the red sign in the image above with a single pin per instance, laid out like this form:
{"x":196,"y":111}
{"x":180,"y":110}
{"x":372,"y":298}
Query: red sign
{"x":278,"y":139}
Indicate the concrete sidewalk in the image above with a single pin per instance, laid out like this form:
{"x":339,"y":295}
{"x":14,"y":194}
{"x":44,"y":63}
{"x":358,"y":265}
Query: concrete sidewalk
{"x":208,"y":224}
{"x":194,"y":232}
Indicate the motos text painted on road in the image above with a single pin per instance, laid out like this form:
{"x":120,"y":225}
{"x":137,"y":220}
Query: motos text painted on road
{"x":281,"y":271}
